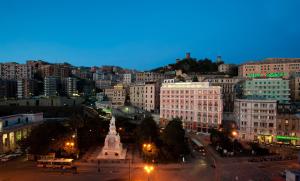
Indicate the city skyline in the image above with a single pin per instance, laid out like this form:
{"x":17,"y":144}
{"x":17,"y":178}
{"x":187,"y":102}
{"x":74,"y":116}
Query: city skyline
{"x":144,"y":35}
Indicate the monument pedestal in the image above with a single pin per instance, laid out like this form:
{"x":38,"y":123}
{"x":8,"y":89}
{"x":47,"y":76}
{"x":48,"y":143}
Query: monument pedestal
{"x":113,"y":148}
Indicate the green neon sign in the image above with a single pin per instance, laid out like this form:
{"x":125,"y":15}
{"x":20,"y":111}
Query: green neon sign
{"x":254,"y":75}
{"x":287,"y":138}
{"x":269,"y":75}
{"x":277,"y":74}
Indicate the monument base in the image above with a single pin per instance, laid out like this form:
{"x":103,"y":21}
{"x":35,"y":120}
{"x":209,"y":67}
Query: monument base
{"x":112,"y":155}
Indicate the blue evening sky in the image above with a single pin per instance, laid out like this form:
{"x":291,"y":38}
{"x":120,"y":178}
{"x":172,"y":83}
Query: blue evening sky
{"x":145,"y":34}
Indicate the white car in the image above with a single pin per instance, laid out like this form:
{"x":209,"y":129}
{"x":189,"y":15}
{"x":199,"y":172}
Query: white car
{"x":9,"y":157}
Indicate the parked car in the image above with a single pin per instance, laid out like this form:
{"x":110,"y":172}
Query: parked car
{"x":9,"y":157}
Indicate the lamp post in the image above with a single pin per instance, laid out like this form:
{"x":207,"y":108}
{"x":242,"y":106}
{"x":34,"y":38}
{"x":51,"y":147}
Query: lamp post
{"x":148,"y":169}
{"x":147,"y":149}
{"x":234,"y":134}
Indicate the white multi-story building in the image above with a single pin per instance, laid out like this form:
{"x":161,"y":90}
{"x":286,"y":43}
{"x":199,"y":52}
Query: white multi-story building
{"x":198,"y":104}
{"x":70,"y":86}
{"x":256,"y":119}
{"x":225,"y":68}
{"x":128,"y":78}
{"x":50,"y":86}
{"x":16,"y":127}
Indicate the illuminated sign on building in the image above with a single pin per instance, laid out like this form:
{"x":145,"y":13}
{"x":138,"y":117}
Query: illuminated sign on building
{"x":287,"y":138}
{"x":269,"y":75}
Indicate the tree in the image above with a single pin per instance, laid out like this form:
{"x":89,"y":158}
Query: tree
{"x":195,"y":79}
{"x":44,"y":135}
{"x":147,"y":131}
{"x":173,"y":139}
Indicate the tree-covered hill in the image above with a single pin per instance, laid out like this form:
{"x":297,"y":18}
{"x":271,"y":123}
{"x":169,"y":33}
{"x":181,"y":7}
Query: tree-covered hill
{"x":188,"y":65}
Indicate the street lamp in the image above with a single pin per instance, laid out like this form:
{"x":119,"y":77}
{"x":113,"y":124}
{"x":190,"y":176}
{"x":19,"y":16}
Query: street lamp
{"x":148,"y":169}
{"x":234,"y":135}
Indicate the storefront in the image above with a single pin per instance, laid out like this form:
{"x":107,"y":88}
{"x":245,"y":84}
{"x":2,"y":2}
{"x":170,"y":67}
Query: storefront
{"x":291,"y":140}
{"x":265,"y":139}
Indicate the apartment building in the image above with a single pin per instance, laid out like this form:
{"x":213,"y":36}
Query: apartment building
{"x":57,"y":70}
{"x":271,"y":67}
{"x":14,"y":71}
{"x":26,"y":88}
{"x":136,"y":94}
{"x":295,"y":88}
{"x":231,"y":88}
{"x":198,"y":104}
{"x":70,"y":86}
{"x":51,"y":86}
{"x":117,"y":95}
{"x":128,"y":78}
{"x":288,"y":128}
{"x":256,"y":119}
{"x":145,"y":96}
{"x":149,"y":77}
{"x":270,"y":89}
{"x":8,"y":89}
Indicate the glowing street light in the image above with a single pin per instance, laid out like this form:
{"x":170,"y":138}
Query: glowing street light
{"x":234,"y":133}
{"x":71,"y":144}
{"x":148,"y":169}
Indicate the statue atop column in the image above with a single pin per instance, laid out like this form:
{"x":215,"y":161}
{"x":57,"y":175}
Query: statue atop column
{"x":113,"y":148}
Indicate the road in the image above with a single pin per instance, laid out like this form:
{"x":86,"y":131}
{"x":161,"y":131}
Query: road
{"x":227,"y":169}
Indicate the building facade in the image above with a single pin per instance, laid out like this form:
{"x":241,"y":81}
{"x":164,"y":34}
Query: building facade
{"x":117,"y":95}
{"x":136,"y":94}
{"x":198,"y":104}
{"x":51,"y":86}
{"x":225,"y":68}
{"x":295,"y":88}
{"x":149,"y":77}
{"x":15,"y":71}
{"x":128,"y":78}
{"x":26,"y":88}
{"x":145,"y":96}
{"x":256,"y":119}
{"x":8,"y":89}
{"x":288,"y":128}
{"x":270,"y":89}
{"x":57,"y":70}
{"x":230,"y":89}
{"x":70,"y":86}
{"x":16,"y":127}
{"x":271,"y":67}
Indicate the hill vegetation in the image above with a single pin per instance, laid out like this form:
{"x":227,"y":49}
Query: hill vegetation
{"x":188,"y":65}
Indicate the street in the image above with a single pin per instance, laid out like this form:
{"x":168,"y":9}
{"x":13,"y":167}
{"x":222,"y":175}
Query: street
{"x":226,"y":169}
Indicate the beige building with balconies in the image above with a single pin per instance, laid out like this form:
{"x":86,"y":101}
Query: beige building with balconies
{"x":117,"y":95}
{"x":145,"y":96}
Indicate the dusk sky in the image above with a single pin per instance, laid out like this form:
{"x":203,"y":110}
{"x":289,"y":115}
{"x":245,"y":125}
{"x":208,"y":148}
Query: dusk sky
{"x":147,"y":34}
